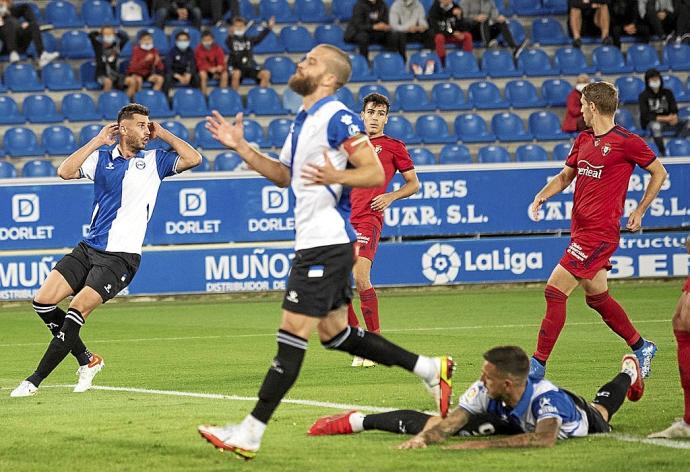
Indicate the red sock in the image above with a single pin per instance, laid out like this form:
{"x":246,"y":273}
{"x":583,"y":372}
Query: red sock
{"x":370,"y":309}
{"x":683,"y":340}
{"x":553,"y":322}
{"x":614,"y":316}
{"x":352,"y":316}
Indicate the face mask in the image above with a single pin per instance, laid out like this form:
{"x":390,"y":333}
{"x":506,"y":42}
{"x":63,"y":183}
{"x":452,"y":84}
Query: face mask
{"x":580,"y":87}
{"x":108,"y":38}
{"x":655,"y":84}
{"x":146,"y":46}
{"x":239,"y":32}
{"x":182,"y":45}
{"x":207,"y":45}
{"x":447,"y":7}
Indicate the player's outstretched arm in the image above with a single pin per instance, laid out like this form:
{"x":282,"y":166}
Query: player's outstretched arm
{"x":189,"y":157}
{"x":367,"y":172}
{"x":553,"y":187}
{"x":659,"y":174}
{"x":69,"y":168}
{"x":447,"y":427}
{"x":545,"y":435}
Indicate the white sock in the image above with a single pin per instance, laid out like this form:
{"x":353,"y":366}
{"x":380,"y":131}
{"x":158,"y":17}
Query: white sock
{"x":254,"y":428}
{"x":426,"y":368}
{"x":357,"y":422}
{"x":632,"y":372}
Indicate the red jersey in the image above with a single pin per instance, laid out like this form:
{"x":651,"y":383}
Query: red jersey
{"x":394,"y":157}
{"x":604,"y":165}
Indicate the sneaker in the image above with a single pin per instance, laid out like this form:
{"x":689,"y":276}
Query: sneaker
{"x":335,"y":424}
{"x":670,"y":38}
{"x":537,"y":370}
{"x":577,"y":43}
{"x":46,"y":58}
{"x":14,"y":57}
{"x":631,"y":366}
{"x":229,"y":438}
{"x":87,"y":372}
{"x":357,"y":361}
{"x":645,"y":354}
{"x":25,"y":389}
{"x":368,"y":363}
{"x":442,"y":387}
{"x":492,"y":44}
{"x":679,"y":429}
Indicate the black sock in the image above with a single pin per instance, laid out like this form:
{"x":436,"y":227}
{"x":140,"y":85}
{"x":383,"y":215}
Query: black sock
{"x":282,"y":374}
{"x":53,"y":316}
{"x":399,"y":421}
{"x":638,"y":344}
{"x":59,"y":346}
{"x":371,"y":346}
{"x":612,"y":395}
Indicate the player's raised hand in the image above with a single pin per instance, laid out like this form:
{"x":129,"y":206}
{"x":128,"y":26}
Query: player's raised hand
{"x":536,"y":206}
{"x":416,"y":442}
{"x":634,"y":221}
{"x":108,"y":134}
{"x":324,"y":175}
{"x":154,"y":130}
{"x":230,"y":135}
{"x":381,"y":202}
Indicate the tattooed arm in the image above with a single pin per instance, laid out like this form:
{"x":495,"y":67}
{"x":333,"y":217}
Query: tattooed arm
{"x":545,"y":435}
{"x":455,"y":420}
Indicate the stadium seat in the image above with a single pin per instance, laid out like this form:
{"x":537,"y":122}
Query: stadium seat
{"x":345,"y":95}
{"x":448,"y":96}
{"x":555,"y":91}
{"x":76,"y":44}
{"x":41,"y":109}
{"x":412,"y":97}
{"x":484,"y":95}
{"x":88,"y":132}
{"x":7,"y":170}
{"x":254,"y":133}
{"x":227,"y":161}
{"x":226,"y":101}
{"x":463,"y":65}
{"x":399,"y":127}
{"x":189,"y":102}
{"x":536,"y":63}
{"x":365,"y":90}
{"x":342,"y":9}
{"x":508,"y":127}
{"x":390,"y":66}
{"x":678,"y":147}
{"x":9,"y":112}
{"x":625,"y":119}
{"x":471,"y":128}
{"x":517,"y":30}
{"x":98,"y":13}
{"x":455,"y":154}
{"x":360,"y":69}
{"x":643,"y":56}
{"x":145,"y":17}
{"x":156,"y":102}
{"x":270,"y":45}
{"x":203,"y":167}
{"x":281,"y":68}
{"x":280,"y":9}
{"x":561,"y":151}
{"x":38,"y":168}
{"x":422,"y":157}
{"x":522,"y":94}
{"x":59,"y":76}
{"x":676,"y":86}
{"x":79,"y":107}
{"x":571,"y":61}
{"x":433,"y":129}
{"x":528,"y":7}
{"x":499,"y":63}
{"x":629,"y":88}
{"x":677,"y":56}
{"x":87,"y":75}
{"x":530,"y":153}
{"x":312,"y":11}
{"x":58,"y":141}
{"x":548,"y":32}
{"x":493,"y":155}
{"x":194,"y":36}
{"x":203,"y":138}
{"x":332,"y":34}
{"x":544,"y":125}
{"x":20,"y":141}
{"x":62,"y":15}
{"x":264,"y":101}
{"x":22,"y":78}
{"x":247,"y":11}
{"x":278,"y":130}
{"x":609,"y":60}
{"x":421,"y":59}
{"x":109,"y":103}
{"x":50,"y":44}
{"x":556,"y":7}
{"x":296,"y":39}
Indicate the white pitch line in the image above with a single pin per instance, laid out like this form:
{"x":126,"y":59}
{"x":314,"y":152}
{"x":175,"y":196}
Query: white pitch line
{"x":669,"y":443}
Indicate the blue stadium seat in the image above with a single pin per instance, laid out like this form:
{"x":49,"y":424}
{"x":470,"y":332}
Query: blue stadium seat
{"x":345,"y":95}
{"x":22,"y":78}
{"x":499,"y":63}
{"x":471,"y":128}
{"x":58,"y":141}
{"x":517,"y":30}
{"x":571,"y":61}
{"x":278,"y":130}
{"x":365,"y":90}
{"x":399,"y":127}
{"x":536,"y":63}
{"x":545,"y":126}
{"x":360,"y":69}
{"x":643,"y":56}
{"x":449,"y":96}
{"x":508,"y":127}
{"x":530,"y":153}
{"x":156,"y":101}
{"x":76,"y":44}
{"x":203,"y":167}
{"x":548,"y":32}
{"x":390,"y":66}
{"x":87,"y":75}
{"x":296,"y":39}
{"x":455,"y":154}
{"x":62,"y":15}
{"x":421,"y":59}
{"x":41,"y":109}
{"x":226,"y":101}
{"x":556,"y":7}
{"x":254,"y":132}
{"x":270,"y":45}
{"x":88,"y":132}
{"x":412,"y":97}
{"x":98,"y":13}
{"x":629,"y":88}
{"x":59,"y":76}
{"x":9,"y":112}
{"x":332,"y":34}
{"x":484,"y":95}
{"x":342,"y":9}
{"x":281,"y":68}
{"x":678,"y":147}
{"x":20,"y":141}
{"x":677,"y":56}
{"x":433,"y":129}
{"x":109,"y":103}
{"x":522,"y":94}
{"x":280,"y":9}
{"x":264,"y":101}
{"x":189,"y":102}
{"x":609,"y":60}
{"x":227,"y":161}
{"x":247,"y":11}
{"x":561,"y":151}
{"x":625,"y":119}
{"x":38,"y":168}
{"x":422,"y":157}
{"x":194,"y":36}
{"x":555,"y":91}
{"x":528,"y":7}
{"x":676,"y":86}
{"x":493,"y":155}
{"x":7,"y":170}
{"x":463,"y":65}
{"x":312,"y":11}
{"x":203,"y":138}
{"x":79,"y":107}
{"x":145,"y":20}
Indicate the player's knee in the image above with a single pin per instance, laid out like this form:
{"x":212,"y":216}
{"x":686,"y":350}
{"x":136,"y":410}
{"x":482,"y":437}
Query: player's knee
{"x":347,"y":340}
{"x":362,"y":283}
{"x":593,"y":301}
{"x":551,"y":293}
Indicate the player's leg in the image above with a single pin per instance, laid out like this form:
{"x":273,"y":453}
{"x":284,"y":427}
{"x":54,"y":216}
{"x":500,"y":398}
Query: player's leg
{"x":369,"y":303}
{"x":628,"y":382}
{"x":157,"y":81}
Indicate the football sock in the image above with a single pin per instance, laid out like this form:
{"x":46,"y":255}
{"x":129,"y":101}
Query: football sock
{"x":371,"y":346}
{"x":370,"y":309}
{"x":352,"y":316}
{"x":400,"y":421}
{"x":612,"y":395}
{"x":281,"y":376}
{"x":614,"y":316}
{"x":61,"y":344}
{"x":552,"y":324}
{"x":683,"y":340}
{"x":53,"y":316}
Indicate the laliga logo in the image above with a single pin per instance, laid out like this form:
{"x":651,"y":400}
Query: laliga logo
{"x":274,"y":200}
{"x":193,"y":202}
{"x":440,"y":264}
{"x":25,"y":208}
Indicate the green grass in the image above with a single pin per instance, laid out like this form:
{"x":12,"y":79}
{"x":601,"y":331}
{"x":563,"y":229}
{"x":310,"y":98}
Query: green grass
{"x":224,"y":346}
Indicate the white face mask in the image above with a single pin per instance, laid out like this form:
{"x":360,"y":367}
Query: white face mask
{"x":580,"y":87}
{"x":655,"y":84}
{"x":182,"y":45}
{"x":146,"y":46}
{"x":239,"y":32}
{"x":108,"y":38}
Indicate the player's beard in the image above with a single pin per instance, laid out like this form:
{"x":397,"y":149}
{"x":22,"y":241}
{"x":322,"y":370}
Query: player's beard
{"x":135,"y":144}
{"x":304,"y":85}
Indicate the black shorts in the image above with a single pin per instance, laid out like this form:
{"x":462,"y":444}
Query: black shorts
{"x":248,"y":72}
{"x":580,"y":4}
{"x":597,"y":423}
{"x":107,"y":273}
{"x":320,"y":280}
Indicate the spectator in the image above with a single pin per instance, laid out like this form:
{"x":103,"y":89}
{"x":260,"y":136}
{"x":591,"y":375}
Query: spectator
{"x":107,"y":45}
{"x":486,"y":23}
{"x":573,"y":120}
{"x":146,"y":65}
{"x":408,"y":18}
{"x":241,"y":63}
{"x":448,"y":26}
{"x":210,"y":62}
{"x":18,"y":29}
{"x":659,"y":111}
{"x":181,"y":66}
{"x":659,"y":15}
{"x":369,"y":25}
{"x":682,"y":9}
{"x":183,"y":10}
{"x":626,"y":20}
{"x":589,"y":18}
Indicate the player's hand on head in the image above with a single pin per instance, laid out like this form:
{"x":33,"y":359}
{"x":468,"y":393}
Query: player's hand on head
{"x":416,"y":442}
{"x":229,"y":135}
{"x":108,"y":134}
{"x":154,"y":130}
{"x":634,"y":221}
{"x":321,"y":175}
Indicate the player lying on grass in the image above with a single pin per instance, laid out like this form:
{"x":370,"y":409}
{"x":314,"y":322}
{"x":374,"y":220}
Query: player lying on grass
{"x":504,"y":401}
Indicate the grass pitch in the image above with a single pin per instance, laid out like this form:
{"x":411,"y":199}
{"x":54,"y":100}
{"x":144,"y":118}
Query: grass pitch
{"x":224,"y":347}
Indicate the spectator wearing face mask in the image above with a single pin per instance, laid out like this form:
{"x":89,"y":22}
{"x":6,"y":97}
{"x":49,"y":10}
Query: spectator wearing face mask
{"x":241,"y":63}
{"x":146,"y":65}
{"x":180,"y":65}
{"x":408,"y":18}
{"x":210,"y":62}
{"x":659,"y":111}
{"x":107,"y":45}
{"x":448,"y":26}
{"x":370,"y":25}
{"x":573,"y":120}
{"x":18,"y":29}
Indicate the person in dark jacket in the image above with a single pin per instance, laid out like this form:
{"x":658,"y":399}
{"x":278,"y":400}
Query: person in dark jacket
{"x":448,"y":26}
{"x":486,"y":22}
{"x":183,"y":10}
{"x":369,"y":25}
{"x":18,"y":29}
{"x":180,"y":66}
{"x":659,"y":111}
{"x":241,"y":62}
{"x":626,"y":20}
{"x":107,"y":45}
{"x":573,"y":120}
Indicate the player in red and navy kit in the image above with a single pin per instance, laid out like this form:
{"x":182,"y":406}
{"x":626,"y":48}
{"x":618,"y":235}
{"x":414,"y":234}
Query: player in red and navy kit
{"x":368,"y":205}
{"x":603,"y":159}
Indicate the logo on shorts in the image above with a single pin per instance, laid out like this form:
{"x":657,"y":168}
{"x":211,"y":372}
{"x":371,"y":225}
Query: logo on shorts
{"x":576,"y":251}
{"x":192,"y":202}
{"x":292,"y":297}
{"x":140,"y":165}
{"x":440,"y":264}
{"x":26,"y":207}
{"x":108,"y":287}
{"x":60,"y":336}
{"x":51,"y":325}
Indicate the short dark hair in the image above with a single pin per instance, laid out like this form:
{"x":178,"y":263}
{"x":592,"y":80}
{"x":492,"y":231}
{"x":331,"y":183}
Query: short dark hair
{"x":182,"y":33}
{"x":145,"y":34}
{"x":239,"y":18}
{"x":206,"y":33}
{"x":376,"y":99}
{"x":604,"y":95}
{"x":510,"y":360}
{"x":128,"y":111}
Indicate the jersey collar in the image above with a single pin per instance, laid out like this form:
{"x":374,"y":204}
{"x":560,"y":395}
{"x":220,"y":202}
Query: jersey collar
{"x":115,"y":153}
{"x":315,"y":107}
{"x":524,"y":402}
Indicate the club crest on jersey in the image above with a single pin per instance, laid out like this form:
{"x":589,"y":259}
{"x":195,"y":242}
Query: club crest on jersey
{"x":110,"y":166}
{"x":606,"y":149}
{"x":141,"y":165}
{"x":378,"y":149}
